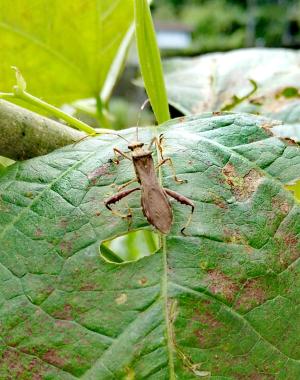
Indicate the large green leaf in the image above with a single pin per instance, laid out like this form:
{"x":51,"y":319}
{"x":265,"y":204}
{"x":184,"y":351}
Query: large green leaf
{"x":223,"y":300}
{"x":64,"y":49}
{"x":218,"y":81}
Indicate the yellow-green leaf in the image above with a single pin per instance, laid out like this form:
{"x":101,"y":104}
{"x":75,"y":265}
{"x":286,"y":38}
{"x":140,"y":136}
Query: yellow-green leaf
{"x":64,"y":49}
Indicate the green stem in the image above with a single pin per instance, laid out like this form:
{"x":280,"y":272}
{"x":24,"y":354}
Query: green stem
{"x":72,"y":121}
{"x":55,"y":111}
{"x":6,"y":95}
{"x":100,"y":112}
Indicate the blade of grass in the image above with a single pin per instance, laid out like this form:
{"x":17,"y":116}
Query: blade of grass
{"x":150,"y":61}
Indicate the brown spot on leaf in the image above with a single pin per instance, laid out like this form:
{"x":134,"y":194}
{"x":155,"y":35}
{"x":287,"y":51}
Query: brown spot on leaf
{"x":38,"y":232}
{"x":280,"y":204}
{"x":219,"y":202}
{"x":103,"y":169}
{"x":242,"y":187}
{"x":235,"y":237}
{"x":20,"y":369}
{"x":266,"y":127}
{"x":255,"y":376}
{"x":209,"y":327}
{"x":289,"y":141}
{"x":88,"y":287}
{"x":51,"y":356}
{"x":143,"y":281}
{"x":220,"y":284}
{"x":291,"y":241}
{"x":252,"y":295}
{"x":63,"y":223}
{"x":122,"y":298}
{"x":289,"y":248}
{"x":65,"y":313}
{"x":66,"y":247}
{"x":36,"y":376}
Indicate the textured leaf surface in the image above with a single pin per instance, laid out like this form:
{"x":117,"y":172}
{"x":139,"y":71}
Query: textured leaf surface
{"x":210,"y":83}
{"x":223,"y":300}
{"x":64,"y":49}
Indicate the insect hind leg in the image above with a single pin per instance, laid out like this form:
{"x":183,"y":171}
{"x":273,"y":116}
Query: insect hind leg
{"x":116,"y":198}
{"x":182,"y":199}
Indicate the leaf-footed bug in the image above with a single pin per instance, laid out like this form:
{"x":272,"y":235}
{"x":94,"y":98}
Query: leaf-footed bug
{"x":154,"y":199}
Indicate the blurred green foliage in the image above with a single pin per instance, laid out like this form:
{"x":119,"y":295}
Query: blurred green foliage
{"x":130,"y":247}
{"x":224,"y":24}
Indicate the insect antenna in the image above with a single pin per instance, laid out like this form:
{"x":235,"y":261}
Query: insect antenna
{"x":121,"y":137}
{"x":139,"y":117}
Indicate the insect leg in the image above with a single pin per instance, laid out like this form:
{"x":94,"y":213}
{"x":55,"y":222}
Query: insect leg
{"x":157,"y":141}
{"x":127,"y":184}
{"x":170,"y":162}
{"x":181,"y":199}
{"x":118,"y":153}
{"x":116,"y":198}
{"x":81,"y":139}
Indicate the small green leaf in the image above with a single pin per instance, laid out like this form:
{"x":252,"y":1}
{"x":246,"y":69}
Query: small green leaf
{"x":21,"y":84}
{"x":150,"y":61}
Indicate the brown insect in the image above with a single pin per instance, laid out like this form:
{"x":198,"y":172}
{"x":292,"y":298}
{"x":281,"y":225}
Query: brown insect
{"x":154,"y":200}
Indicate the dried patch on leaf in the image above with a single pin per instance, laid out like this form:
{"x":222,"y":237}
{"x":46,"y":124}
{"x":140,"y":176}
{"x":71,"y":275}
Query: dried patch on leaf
{"x":252,"y":295}
{"x":52,"y":357}
{"x":207,"y":332}
{"x":65,"y":313}
{"x":289,"y":248}
{"x":143,"y":281}
{"x":242,"y":187}
{"x":266,"y":127}
{"x":255,"y":376}
{"x":20,"y":369}
{"x":281,"y":204}
{"x":235,"y":237}
{"x":88,"y":287}
{"x":103,"y":169}
{"x":66,"y":247}
{"x":222,"y":285}
{"x":219,"y":202}
{"x":63,"y":223}
{"x":122,"y":298}
{"x":289,"y":141}
{"x":38,"y":233}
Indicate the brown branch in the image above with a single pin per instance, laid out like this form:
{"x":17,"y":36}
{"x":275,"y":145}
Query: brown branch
{"x":25,"y":134}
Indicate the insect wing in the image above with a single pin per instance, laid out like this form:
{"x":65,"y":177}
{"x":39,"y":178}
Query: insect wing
{"x":156,"y":208}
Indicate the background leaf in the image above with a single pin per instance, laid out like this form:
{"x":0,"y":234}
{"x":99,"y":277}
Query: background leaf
{"x":63,"y":49}
{"x":202,"y":304}
{"x":213,"y":82}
